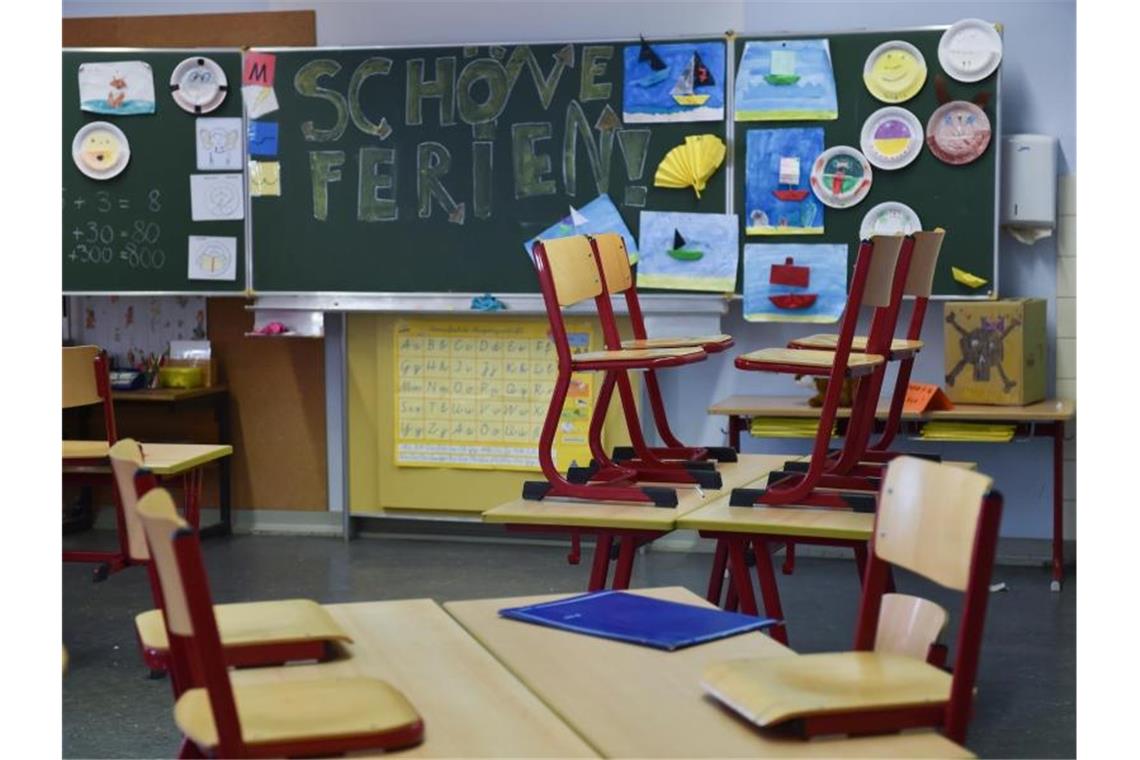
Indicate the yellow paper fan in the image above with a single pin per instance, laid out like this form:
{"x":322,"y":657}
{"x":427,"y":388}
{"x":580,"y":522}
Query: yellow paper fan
{"x":691,"y":163}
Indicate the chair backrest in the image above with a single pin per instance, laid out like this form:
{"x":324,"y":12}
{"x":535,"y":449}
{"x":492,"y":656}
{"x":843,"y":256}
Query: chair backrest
{"x":881,"y":272}
{"x":126,"y":461}
{"x":909,"y":625}
{"x":614,"y":260}
{"x":196,"y":654}
{"x":923,"y":262}
{"x":80,"y":378}
{"x":573,"y":271}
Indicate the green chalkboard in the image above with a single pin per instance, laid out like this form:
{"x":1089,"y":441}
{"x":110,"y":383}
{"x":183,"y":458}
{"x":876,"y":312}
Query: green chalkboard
{"x":131,"y":233}
{"x":960,"y":199}
{"x":425,"y":170}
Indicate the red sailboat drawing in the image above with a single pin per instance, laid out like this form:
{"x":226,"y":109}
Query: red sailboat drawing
{"x":789,"y":178}
{"x":789,"y":274}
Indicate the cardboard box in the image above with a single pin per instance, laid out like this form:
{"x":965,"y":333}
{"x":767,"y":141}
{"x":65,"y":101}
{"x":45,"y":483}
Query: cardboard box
{"x":995,"y":351}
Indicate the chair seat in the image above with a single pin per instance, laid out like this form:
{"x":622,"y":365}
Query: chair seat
{"x":772,"y":690}
{"x":251,"y":623}
{"x":299,"y":711}
{"x":642,"y":356}
{"x":707,"y":342}
{"x":805,"y":361}
{"x":86,"y":449}
{"x":900,"y":347}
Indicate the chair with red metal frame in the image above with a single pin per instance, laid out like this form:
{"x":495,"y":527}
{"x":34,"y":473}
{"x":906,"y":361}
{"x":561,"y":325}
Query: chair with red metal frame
{"x":252,"y":633}
{"x":876,"y":282}
{"x":569,"y":274}
{"x":298,"y":718}
{"x":938,"y":521}
{"x":87,"y":382}
{"x":912,"y":626}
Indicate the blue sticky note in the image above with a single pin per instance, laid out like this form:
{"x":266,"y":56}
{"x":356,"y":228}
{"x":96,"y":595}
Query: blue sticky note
{"x":263,"y":138}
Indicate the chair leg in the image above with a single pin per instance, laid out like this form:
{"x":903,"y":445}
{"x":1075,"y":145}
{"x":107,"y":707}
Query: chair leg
{"x":189,"y":749}
{"x":716,"y":574}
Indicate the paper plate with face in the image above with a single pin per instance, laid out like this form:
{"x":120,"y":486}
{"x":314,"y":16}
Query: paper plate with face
{"x":890,"y":218}
{"x":970,"y":50}
{"x":958,"y":132}
{"x":100,"y":150}
{"x":198,"y":85}
{"x":841,"y":177}
{"x":892,"y":138}
{"x":894,"y":71}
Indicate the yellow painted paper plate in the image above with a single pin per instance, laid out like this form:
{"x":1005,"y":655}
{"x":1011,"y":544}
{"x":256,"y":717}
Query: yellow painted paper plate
{"x":895,"y":71}
{"x":892,"y":137}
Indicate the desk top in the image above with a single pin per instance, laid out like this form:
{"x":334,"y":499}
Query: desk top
{"x":471,"y":705}
{"x":1051,"y":410}
{"x":781,"y":521}
{"x":748,"y":468}
{"x":159,"y":458}
{"x":634,"y":701}
{"x":167,"y":395}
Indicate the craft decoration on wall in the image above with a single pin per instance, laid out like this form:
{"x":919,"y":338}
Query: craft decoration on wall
{"x":967,"y":278}
{"x":841,"y":177}
{"x":892,"y":138}
{"x":684,"y":251}
{"x":216,"y":196}
{"x":889,"y":218}
{"x":198,"y":85}
{"x":119,"y":88}
{"x":958,"y":132}
{"x":263,"y":138}
{"x":794,"y":282}
{"x":970,"y":50}
{"x":219,"y":143}
{"x":691,"y":164}
{"x":212,"y":258}
{"x":100,"y":150}
{"x":264,"y":178}
{"x":682,"y":81}
{"x":894,"y":71}
{"x":598,"y":216}
{"x":259,"y":101}
{"x":785,"y":80}
{"x":777,"y":194}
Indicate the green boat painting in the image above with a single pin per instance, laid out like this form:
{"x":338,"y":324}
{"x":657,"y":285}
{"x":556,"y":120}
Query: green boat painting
{"x":682,"y":251}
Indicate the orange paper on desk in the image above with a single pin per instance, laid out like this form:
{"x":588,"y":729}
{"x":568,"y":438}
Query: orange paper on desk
{"x":925,"y":397}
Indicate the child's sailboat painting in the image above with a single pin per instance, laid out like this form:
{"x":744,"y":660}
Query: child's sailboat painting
{"x":677,"y":81}
{"x":794,"y":282}
{"x":777,"y":194}
{"x":684,"y":251}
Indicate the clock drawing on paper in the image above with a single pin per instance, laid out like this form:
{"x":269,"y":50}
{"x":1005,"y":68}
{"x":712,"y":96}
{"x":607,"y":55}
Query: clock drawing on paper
{"x":223,"y":200}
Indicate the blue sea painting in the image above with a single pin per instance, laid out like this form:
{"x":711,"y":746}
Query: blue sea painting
{"x":117,"y":88}
{"x":676,"y":81}
{"x":684,"y":251}
{"x":598,"y":216}
{"x":777,"y":193}
{"x":785,"y":80}
{"x":795,"y":282}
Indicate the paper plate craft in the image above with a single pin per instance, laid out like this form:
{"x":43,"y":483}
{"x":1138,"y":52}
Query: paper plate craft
{"x":116,"y":88}
{"x":970,"y":50}
{"x":691,"y":163}
{"x":895,"y":71}
{"x":841,"y":177}
{"x":198,"y":85}
{"x":100,"y":150}
{"x":890,"y":218}
{"x":777,"y":189}
{"x":785,"y":80}
{"x":958,"y":132}
{"x":892,"y":138}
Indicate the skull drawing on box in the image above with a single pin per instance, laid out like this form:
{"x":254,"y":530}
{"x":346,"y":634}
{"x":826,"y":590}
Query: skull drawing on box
{"x":218,"y":143}
{"x":983,"y":348}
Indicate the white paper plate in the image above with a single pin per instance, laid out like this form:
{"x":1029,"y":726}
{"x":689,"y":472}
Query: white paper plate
{"x":841,"y":177}
{"x":970,"y":50}
{"x":100,"y":150}
{"x":198,"y":85}
{"x":892,"y":138}
{"x":894,"y":71}
{"x":890,"y":218}
{"x":958,"y":132}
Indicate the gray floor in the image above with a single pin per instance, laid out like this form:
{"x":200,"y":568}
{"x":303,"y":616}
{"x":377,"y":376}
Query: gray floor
{"x":1026,"y":704}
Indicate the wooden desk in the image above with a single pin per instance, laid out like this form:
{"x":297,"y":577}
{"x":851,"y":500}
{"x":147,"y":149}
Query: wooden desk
{"x":1044,"y":418}
{"x":471,"y":705}
{"x":633,"y":523}
{"x":633,"y":701}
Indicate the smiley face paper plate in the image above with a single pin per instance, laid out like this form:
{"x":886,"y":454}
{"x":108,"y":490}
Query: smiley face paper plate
{"x":841,"y":177}
{"x":895,"y":71}
{"x":970,"y":50}
{"x":958,"y":132}
{"x":892,"y":138}
{"x":100,"y":150}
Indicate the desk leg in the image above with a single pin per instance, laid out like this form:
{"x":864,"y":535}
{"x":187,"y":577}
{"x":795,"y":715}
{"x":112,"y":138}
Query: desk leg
{"x":735,"y":425}
{"x":769,"y":591}
{"x":1058,"y":506}
{"x":601,"y":567}
{"x":624,"y":571}
{"x":740,"y":580}
{"x":716,"y":575}
{"x":222,"y":413}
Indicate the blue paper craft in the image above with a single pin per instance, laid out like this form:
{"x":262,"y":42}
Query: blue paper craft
{"x":679,"y":81}
{"x":795,"y":282}
{"x":683,"y":251}
{"x":785,"y":80}
{"x":777,"y":193}
{"x":638,"y":619}
{"x":263,"y":138}
{"x":598,"y":216}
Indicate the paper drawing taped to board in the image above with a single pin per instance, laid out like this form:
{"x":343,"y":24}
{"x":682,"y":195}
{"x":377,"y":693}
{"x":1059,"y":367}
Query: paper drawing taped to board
{"x":785,"y":80}
{"x":212,"y":258}
{"x":688,"y":251}
{"x":598,"y":216}
{"x":119,"y":88}
{"x":777,"y":193}
{"x":794,"y":282}
{"x":681,"y":81}
{"x":216,"y":196}
{"x":263,"y":138}
{"x":219,"y":144}
{"x":264,"y":178}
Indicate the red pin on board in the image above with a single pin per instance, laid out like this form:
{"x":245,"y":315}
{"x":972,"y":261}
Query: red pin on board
{"x":258,"y":69}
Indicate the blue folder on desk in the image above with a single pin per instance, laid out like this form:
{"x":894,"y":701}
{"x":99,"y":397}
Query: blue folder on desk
{"x":638,"y":619}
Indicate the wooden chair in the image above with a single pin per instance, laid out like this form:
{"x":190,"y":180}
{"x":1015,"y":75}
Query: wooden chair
{"x":935,"y":520}
{"x":307,"y":718}
{"x":912,"y":626}
{"x":568,"y":274}
{"x":252,"y":633}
